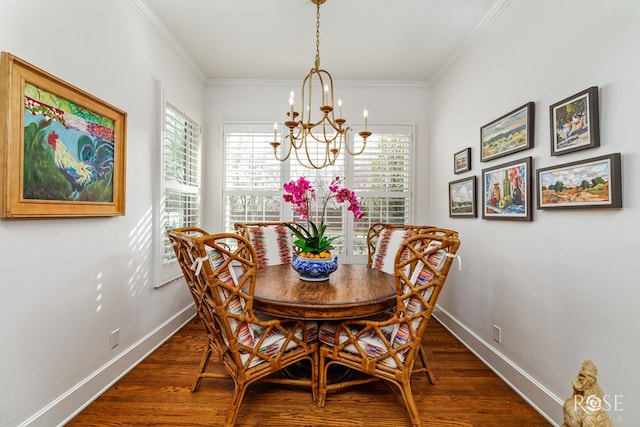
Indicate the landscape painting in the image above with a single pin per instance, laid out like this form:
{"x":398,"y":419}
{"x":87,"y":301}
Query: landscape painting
{"x":462,"y":198}
{"x":462,"y":161}
{"x":591,"y":183}
{"x":575,"y":124}
{"x":506,"y":191}
{"x":64,"y":149}
{"x":509,"y":134}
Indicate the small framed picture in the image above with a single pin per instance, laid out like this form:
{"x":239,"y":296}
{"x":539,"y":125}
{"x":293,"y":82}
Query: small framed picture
{"x":590,"y":183}
{"x":506,"y":191}
{"x":509,"y":134}
{"x":462,"y":161}
{"x":574,"y":122}
{"x":462,"y":198}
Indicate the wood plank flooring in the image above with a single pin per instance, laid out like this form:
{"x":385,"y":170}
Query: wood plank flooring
{"x":157,"y":393}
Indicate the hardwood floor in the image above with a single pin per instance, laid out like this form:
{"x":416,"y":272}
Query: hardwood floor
{"x":157,"y":393}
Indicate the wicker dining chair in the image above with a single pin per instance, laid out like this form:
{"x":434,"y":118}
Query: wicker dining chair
{"x":383,"y":241}
{"x":271,"y":240}
{"x":249,"y":348}
{"x":386,"y":349}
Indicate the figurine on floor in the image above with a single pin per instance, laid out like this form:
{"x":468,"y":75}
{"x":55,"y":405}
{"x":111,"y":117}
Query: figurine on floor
{"x":586,"y":408}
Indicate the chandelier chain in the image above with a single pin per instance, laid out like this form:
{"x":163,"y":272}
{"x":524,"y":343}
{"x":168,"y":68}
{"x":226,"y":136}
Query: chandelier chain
{"x":318,"y":35}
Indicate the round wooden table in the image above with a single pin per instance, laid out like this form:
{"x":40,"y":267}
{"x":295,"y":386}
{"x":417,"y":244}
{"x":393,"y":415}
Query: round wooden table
{"x":352,"y":291}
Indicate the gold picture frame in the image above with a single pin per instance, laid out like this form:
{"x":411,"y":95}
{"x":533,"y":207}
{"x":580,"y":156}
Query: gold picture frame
{"x":62,"y":150}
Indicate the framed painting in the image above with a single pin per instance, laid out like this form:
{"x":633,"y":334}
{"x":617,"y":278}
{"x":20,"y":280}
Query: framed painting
{"x":62,"y":150}
{"x":590,"y":183}
{"x":462,"y":198}
{"x":462,"y":161}
{"x":509,"y":134}
{"x":575,"y":122}
{"x":506,"y":191}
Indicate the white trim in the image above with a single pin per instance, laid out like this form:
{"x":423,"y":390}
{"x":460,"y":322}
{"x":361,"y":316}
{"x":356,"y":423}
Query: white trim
{"x":157,"y":24}
{"x":539,"y":397}
{"x":297,"y":83}
{"x":496,"y":9}
{"x":73,"y":401}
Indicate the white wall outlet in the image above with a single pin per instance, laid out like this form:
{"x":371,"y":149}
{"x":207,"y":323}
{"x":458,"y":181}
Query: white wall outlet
{"x":114,"y":338}
{"x":497,"y":334}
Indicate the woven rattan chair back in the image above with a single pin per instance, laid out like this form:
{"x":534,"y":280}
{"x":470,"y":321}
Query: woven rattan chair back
{"x":220,"y":272}
{"x":386,"y":349}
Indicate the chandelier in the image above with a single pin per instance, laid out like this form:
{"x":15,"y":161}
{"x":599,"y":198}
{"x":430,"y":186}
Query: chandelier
{"x":317,"y":142}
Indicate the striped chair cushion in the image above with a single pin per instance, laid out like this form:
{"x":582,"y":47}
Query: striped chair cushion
{"x":387,"y":246}
{"x":273,"y":343}
{"x":272,"y":244}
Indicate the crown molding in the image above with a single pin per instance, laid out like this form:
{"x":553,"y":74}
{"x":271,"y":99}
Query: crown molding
{"x":164,"y":32}
{"x":496,"y":9}
{"x":296,"y":83}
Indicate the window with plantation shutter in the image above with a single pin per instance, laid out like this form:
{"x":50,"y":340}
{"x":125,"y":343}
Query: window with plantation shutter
{"x":181,"y":175}
{"x":380,"y":177}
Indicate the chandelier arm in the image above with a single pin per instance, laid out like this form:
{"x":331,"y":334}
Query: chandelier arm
{"x":355,"y":153}
{"x":275,"y":145}
{"x":310,"y":163}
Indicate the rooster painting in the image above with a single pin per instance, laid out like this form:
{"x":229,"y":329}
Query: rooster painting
{"x":68,"y":150}
{"x":94,"y":161}
{"x":79,"y":174}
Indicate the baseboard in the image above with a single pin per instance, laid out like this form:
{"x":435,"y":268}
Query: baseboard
{"x":541,"y":399}
{"x":69,"y":404}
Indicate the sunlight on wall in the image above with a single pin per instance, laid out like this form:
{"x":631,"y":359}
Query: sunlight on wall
{"x":140,"y":239}
{"x":99,"y":291}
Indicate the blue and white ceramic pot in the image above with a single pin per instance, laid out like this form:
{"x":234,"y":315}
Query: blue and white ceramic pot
{"x":314,"y":270}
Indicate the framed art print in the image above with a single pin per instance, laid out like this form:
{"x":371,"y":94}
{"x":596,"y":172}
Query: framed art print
{"x":509,"y":134}
{"x":462,"y":198}
{"x":62,"y":150}
{"x":462,"y":161}
{"x":575,"y":122}
{"x":590,"y":183}
{"x":506,"y":191}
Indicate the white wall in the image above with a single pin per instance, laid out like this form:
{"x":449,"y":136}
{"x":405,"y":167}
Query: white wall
{"x":268,"y":101}
{"x":67,"y":283}
{"x":563,"y":288}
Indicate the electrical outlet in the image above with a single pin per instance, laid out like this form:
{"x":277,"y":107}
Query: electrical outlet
{"x":497,"y":334}
{"x":115,"y":338}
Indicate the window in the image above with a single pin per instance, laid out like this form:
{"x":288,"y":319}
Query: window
{"x":180,"y":166}
{"x":381,"y":178}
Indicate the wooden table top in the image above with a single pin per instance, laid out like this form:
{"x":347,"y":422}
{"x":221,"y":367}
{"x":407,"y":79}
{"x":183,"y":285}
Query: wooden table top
{"x":352,"y":291}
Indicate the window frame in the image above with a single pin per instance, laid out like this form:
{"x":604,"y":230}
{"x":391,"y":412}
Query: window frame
{"x":168,"y":272}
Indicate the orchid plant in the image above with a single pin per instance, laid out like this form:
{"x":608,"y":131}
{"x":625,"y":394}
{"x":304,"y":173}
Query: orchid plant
{"x":311,"y":239}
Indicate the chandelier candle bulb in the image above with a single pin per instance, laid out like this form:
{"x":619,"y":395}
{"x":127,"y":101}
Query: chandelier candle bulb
{"x":291,"y":105}
{"x":365,"y":113}
{"x":340,"y":108}
{"x":275,"y":131}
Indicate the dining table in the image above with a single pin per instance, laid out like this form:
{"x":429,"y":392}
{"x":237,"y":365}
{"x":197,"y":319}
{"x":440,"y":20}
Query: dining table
{"x":352,"y":291}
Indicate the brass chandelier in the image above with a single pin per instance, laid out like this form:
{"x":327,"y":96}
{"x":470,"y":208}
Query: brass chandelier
{"x":317,"y":144}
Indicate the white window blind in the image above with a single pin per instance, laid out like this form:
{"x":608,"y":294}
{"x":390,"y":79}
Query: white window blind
{"x":380,"y":177}
{"x":181,"y":174}
{"x":253,"y":177}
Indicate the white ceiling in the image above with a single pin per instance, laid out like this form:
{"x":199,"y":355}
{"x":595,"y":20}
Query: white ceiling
{"x":371,"y":40}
